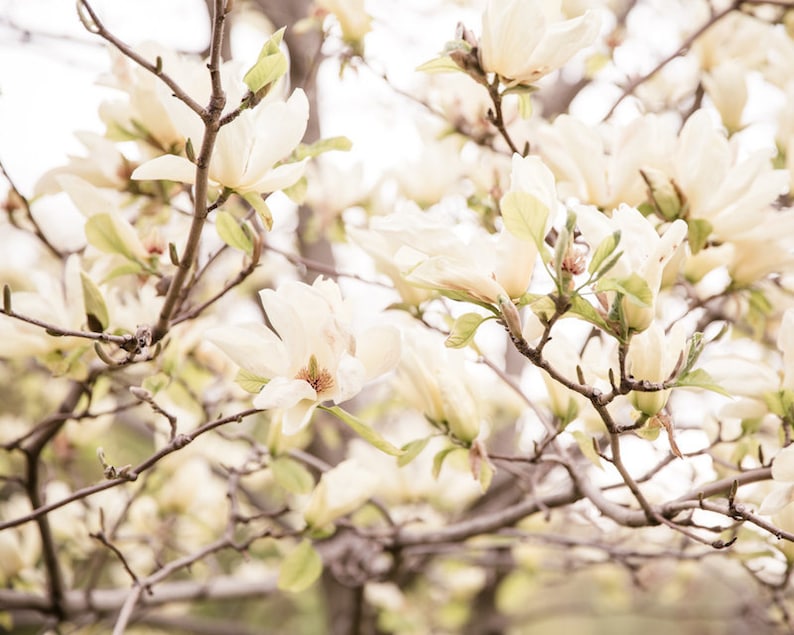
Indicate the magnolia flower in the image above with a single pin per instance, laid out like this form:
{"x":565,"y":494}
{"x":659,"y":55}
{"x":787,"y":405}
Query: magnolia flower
{"x":246,"y":150}
{"x":652,"y":357}
{"x":341,"y":490}
{"x":523,"y":40}
{"x":601,"y":166}
{"x":311,"y":355}
{"x":433,"y":379}
{"x":782,"y":496}
{"x":645,"y":253}
{"x":355,"y":22}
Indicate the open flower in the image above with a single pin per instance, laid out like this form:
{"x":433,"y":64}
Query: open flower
{"x":246,"y":150}
{"x":523,"y":40}
{"x":310,"y":355}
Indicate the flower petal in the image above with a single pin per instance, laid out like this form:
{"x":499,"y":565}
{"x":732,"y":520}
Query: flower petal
{"x":168,"y":167}
{"x":253,"y":347}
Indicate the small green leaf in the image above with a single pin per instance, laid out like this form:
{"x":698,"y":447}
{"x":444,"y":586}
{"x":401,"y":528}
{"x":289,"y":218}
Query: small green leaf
{"x":411,"y":450}
{"x":634,"y":287}
{"x":303,"y":151}
{"x":586,"y":311}
{"x":603,"y":251}
{"x":699,"y":378}
{"x":131,"y":268}
{"x":94,"y":303}
{"x":270,"y":65}
{"x":698,"y":232}
{"x":525,"y":216}
{"x":300,"y":568}
{"x":586,"y":444}
{"x":444,"y":64}
{"x":297,"y":191}
{"x":250,"y":382}
{"x":544,"y":308}
{"x":291,"y":475}
{"x":256,"y":201}
{"x":464,"y":329}
{"x":440,"y":457}
{"x":485,"y":476}
{"x":155,"y":383}
{"x":231,"y":233}
{"x":113,"y":235}
{"x":363,"y":430}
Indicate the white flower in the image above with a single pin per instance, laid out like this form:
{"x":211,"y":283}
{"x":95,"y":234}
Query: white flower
{"x":355,"y":22}
{"x":246,"y":150}
{"x":341,"y":490}
{"x":645,"y":253}
{"x":311,"y":355}
{"x":783,"y":473}
{"x":523,"y":40}
{"x":652,"y":357}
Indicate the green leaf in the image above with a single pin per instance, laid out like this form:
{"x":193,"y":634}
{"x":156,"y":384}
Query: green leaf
{"x":131,"y":268}
{"x":583,"y":309}
{"x":297,"y":191}
{"x":250,"y":382}
{"x":634,"y":287}
{"x":113,"y":235}
{"x":270,"y":65}
{"x":544,"y":308}
{"x":256,"y":201}
{"x":291,"y":475}
{"x":525,"y":216}
{"x":694,"y":350}
{"x":440,"y":457}
{"x":604,"y":250}
{"x":155,"y":383}
{"x":444,"y":64}
{"x":300,"y":568}
{"x":363,"y":430}
{"x":95,"y":308}
{"x":464,"y":329}
{"x":699,"y":378}
{"x":698,"y":232}
{"x":303,"y":151}
{"x":411,"y":450}
{"x":586,"y":444}
{"x":231,"y":233}
{"x":485,"y":476}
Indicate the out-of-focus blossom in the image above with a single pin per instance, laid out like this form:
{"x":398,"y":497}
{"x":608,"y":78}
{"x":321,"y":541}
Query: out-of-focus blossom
{"x":726,"y":85}
{"x":310,"y":355}
{"x":355,"y":22}
{"x":601,"y":166}
{"x":523,"y":40}
{"x":341,"y":490}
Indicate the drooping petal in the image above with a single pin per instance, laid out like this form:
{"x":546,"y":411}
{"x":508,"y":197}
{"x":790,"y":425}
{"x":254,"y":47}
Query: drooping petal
{"x":283,"y":392}
{"x":168,"y":167}
{"x":298,"y":417}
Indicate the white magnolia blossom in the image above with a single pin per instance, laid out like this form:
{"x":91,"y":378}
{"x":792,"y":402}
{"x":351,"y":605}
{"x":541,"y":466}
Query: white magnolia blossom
{"x":248,"y":149}
{"x":352,"y":17}
{"x":341,"y":490}
{"x":602,"y":165}
{"x":652,"y":357}
{"x":311,"y":355}
{"x":523,"y":40}
{"x":645,"y":252}
{"x":433,"y":379}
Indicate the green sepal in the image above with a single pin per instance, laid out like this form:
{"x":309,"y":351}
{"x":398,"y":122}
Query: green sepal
{"x":231,"y":233}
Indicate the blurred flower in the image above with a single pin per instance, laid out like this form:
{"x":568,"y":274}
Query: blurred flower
{"x":355,"y":22}
{"x":341,"y":490}
{"x":523,"y":40}
{"x":310,"y":355}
